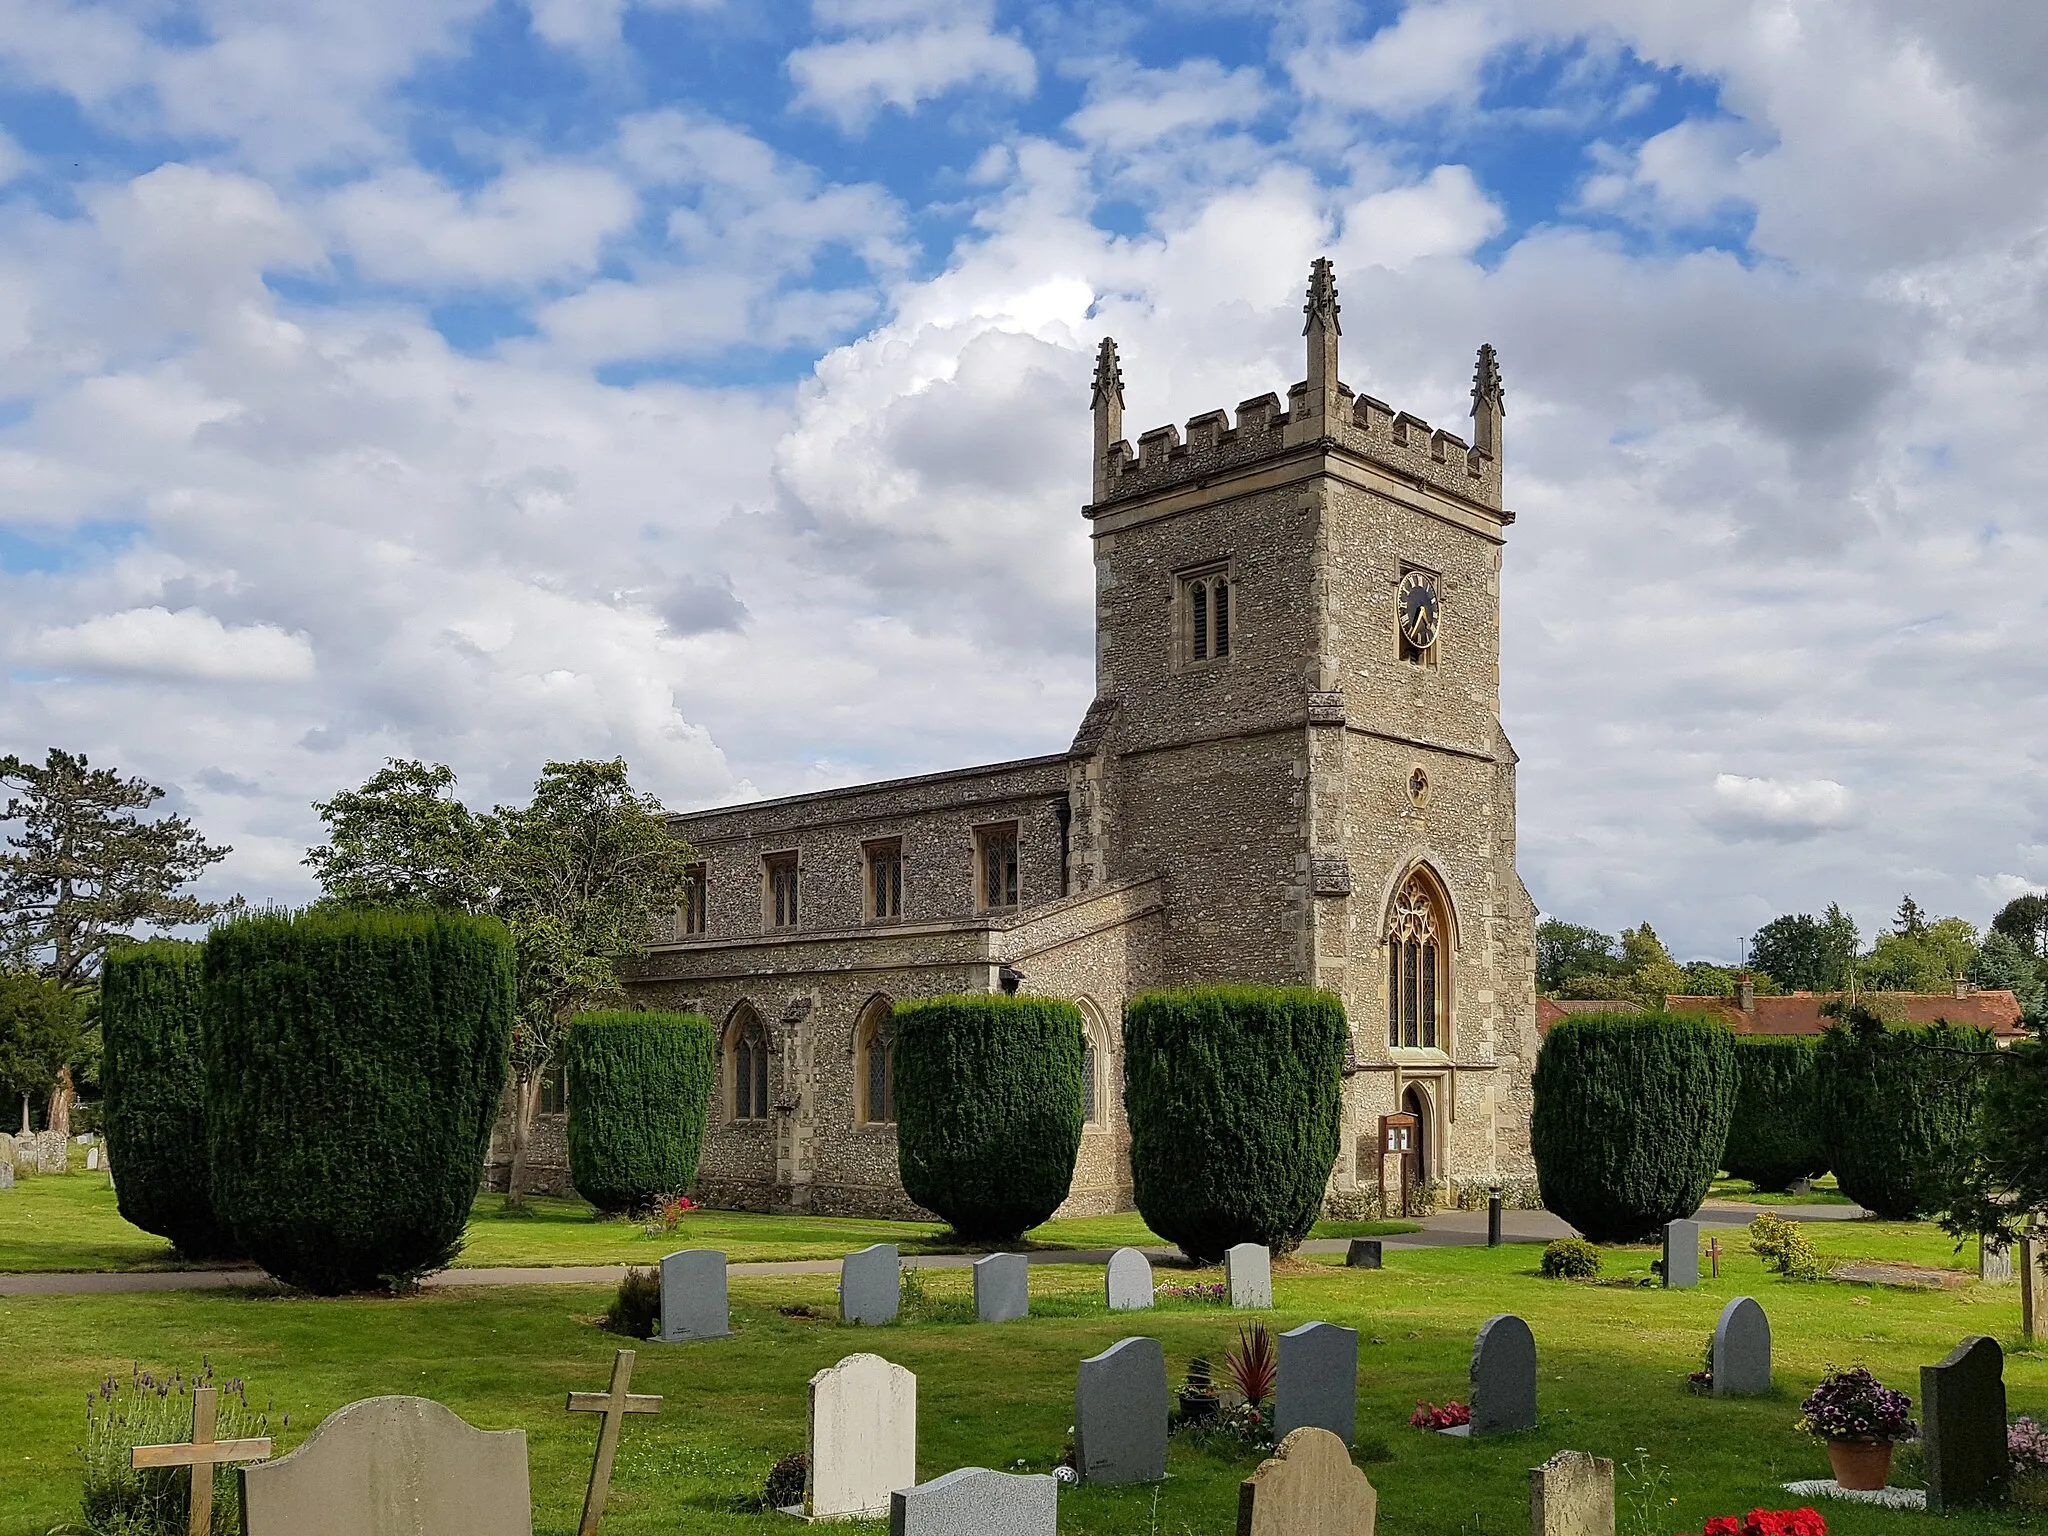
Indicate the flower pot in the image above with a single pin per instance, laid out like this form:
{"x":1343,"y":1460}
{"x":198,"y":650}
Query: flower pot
{"x":1861,"y":1465}
{"x":1197,"y":1406}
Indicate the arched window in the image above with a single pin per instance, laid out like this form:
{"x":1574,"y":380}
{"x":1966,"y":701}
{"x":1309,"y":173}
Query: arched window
{"x":748,"y":1068}
{"x":875,"y":1064}
{"x":1415,"y":959}
{"x":1095,"y":1064}
{"x":1091,"y":1079}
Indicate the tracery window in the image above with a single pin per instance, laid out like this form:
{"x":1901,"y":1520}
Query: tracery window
{"x":779,"y":899}
{"x":1091,"y":1069}
{"x":749,"y":1071}
{"x":877,"y":1065}
{"x":1206,"y":601}
{"x":693,"y":916}
{"x":884,"y":879}
{"x":1415,"y":967}
{"x":995,"y":850}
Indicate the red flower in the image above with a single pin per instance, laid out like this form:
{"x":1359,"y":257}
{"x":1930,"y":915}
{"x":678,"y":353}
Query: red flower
{"x":1722,"y":1525}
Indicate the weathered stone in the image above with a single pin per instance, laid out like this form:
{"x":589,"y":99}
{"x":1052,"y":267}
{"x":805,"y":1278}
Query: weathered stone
{"x":53,"y":1150}
{"x":393,"y":1466}
{"x":1994,"y":1262}
{"x":1249,"y":1269}
{"x":977,"y":1502}
{"x":1503,"y":1377}
{"x":1681,"y":1253}
{"x":863,"y":1444}
{"x":2033,"y":1286}
{"x":693,"y":1298}
{"x":1572,"y":1494}
{"x":1128,"y":1281}
{"x":1002,"y":1288}
{"x":871,"y":1285}
{"x":1742,"y":1350}
{"x":6,"y":1175}
{"x":1307,"y":1487}
{"x":92,"y":1159}
{"x":1120,"y":1414}
{"x":1364,"y":1253}
{"x":1962,"y":1423}
{"x":1317,"y":1384}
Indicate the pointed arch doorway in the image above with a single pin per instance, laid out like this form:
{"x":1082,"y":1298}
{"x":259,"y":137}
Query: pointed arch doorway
{"x":1415,"y":1101}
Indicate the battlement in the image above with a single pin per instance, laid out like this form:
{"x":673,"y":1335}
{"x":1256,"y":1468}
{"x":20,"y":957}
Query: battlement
{"x":1319,"y":409}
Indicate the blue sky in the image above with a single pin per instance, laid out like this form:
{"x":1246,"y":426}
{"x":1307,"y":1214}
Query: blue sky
{"x":702,"y":382}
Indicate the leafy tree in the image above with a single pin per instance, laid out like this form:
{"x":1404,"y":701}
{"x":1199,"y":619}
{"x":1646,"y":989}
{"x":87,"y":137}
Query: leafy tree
{"x":639,"y":1095}
{"x":39,"y":1032}
{"x":2024,"y":920}
{"x":1909,"y":919}
{"x":1898,"y":1104}
{"x":2001,"y":1184}
{"x":1705,"y":979}
{"x":1776,"y":1134}
{"x":1803,"y":953}
{"x":2002,"y":964}
{"x":1928,"y":957}
{"x":404,"y":840}
{"x":1565,"y":950}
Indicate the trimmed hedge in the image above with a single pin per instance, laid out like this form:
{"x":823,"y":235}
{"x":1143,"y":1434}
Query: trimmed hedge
{"x":354,"y":1063}
{"x":1775,"y":1135}
{"x":639,"y":1091}
{"x":1630,"y":1119}
{"x":1235,"y":1101}
{"x":152,"y":1082}
{"x":988,"y":1108}
{"x":1898,"y":1104}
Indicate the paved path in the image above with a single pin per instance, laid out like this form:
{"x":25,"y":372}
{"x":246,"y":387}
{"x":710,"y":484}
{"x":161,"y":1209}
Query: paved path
{"x":1446,"y":1229}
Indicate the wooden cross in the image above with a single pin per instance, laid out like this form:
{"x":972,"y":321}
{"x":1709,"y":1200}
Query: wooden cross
{"x":614,"y":1405}
{"x":202,"y":1456}
{"x":1714,"y":1256}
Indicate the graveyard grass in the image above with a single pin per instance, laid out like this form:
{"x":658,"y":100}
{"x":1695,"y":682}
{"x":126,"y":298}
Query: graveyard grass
{"x":1612,"y":1364}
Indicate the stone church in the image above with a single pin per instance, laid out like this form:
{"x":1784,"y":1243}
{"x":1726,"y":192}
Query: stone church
{"x":1293,"y":771}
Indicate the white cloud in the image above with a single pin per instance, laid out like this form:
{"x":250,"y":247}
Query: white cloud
{"x":1444,"y":215}
{"x":1131,"y":108}
{"x":14,"y":160}
{"x":1779,"y":809}
{"x":2002,"y":887}
{"x":1432,"y":55}
{"x":155,"y":642}
{"x":905,"y":52}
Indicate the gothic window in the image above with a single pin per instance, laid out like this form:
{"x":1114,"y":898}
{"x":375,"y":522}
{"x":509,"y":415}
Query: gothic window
{"x":691,"y":918}
{"x":875,"y":1064}
{"x":884,"y":879}
{"x":1206,"y":602}
{"x":748,"y":1064}
{"x":1415,"y":962}
{"x":779,"y":898}
{"x":995,"y":865}
{"x":1091,"y":1086}
{"x":554,"y":1090}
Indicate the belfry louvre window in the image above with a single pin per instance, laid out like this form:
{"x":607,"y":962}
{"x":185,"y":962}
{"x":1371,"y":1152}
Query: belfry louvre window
{"x":1206,"y":601}
{"x":1415,"y":968}
{"x":750,"y":1072}
{"x":885,"y":879}
{"x":779,"y":899}
{"x":692,"y":918}
{"x":995,"y":864}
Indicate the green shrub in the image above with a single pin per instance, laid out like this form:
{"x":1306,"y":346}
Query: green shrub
{"x":639,"y":1091}
{"x":1783,"y":1247}
{"x":988,"y":1109}
{"x":151,"y":1409}
{"x":1571,"y":1258}
{"x":1897,"y":1103}
{"x":354,"y":1062}
{"x":636,"y":1306}
{"x":1235,"y":1101}
{"x":1630,"y":1119}
{"x":152,"y":1073}
{"x":1775,"y":1135}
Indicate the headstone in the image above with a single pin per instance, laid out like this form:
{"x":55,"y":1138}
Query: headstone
{"x":1681,"y":1253}
{"x":1364,"y":1253}
{"x":871,"y":1285}
{"x":6,"y":1175}
{"x":1249,"y":1269}
{"x":56,"y":1151}
{"x":693,"y":1304}
{"x":1994,"y":1262}
{"x":863,"y":1444}
{"x":6,"y":1161}
{"x":1120,"y":1414}
{"x":1307,"y":1487}
{"x":1962,"y":1426}
{"x":393,"y":1466}
{"x":2032,"y":1287}
{"x":1572,"y":1494}
{"x":1741,"y":1362}
{"x":1317,"y":1382}
{"x":92,"y":1162}
{"x":1002,"y":1288}
{"x":1128,"y":1281}
{"x":1503,"y":1377}
{"x":977,"y":1502}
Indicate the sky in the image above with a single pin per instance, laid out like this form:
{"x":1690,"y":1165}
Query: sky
{"x":704,"y":382}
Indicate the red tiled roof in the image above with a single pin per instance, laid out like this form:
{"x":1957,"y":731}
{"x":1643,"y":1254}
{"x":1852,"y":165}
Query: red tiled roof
{"x":1799,"y":1013}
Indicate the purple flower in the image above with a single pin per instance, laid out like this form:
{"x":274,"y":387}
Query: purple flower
{"x":1855,"y":1405}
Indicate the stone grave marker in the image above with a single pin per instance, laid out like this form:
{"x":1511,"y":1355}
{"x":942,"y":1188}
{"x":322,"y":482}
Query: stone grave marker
{"x":614,"y":1404}
{"x":693,"y":1298}
{"x":1317,"y":1382}
{"x":863,"y":1443}
{"x":393,"y":1466}
{"x":1364,"y":1253}
{"x":871,"y":1285}
{"x":6,"y":1161}
{"x":92,"y":1159}
{"x":1249,"y":1269}
{"x":202,"y":1455}
{"x":1120,"y":1414}
{"x":1572,"y":1494}
{"x":1962,"y":1418}
{"x":1307,"y":1487}
{"x":1681,"y":1253}
{"x":1994,"y":1262}
{"x":1742,"y":1350}
{"x":6,"y":1175}
{"x":2032,"y":1286}
{"x":54,"y":1150}
{"x":1002,"y":1288}
{"x":1128,"y":1281}
{"x":1503,"y":1378}
{"x":977,"y":1502}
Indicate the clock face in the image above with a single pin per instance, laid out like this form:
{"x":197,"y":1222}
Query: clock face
{"x":1419,"y":609}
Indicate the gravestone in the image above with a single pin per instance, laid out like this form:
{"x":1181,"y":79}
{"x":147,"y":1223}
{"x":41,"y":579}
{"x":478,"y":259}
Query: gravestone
{"x":1681,"y":1253}
{"x":1962,"y":1426}
{"x":1002,"y":1288}
{"x":1307,"y":1487}
{"x":1364,"y":1253}
{"x":1249,"y":1269}
{"x":6,"y":1175}
{"x":693,"y":1304}
{"x":1742,"y":1350}
{"x":393,"y":1466}
{"x":871,"y":1285}
{"x":55,"y":1151}
{"x":863,"y":1444}
{"x":2032,"y":1286}
{"x":1317,"y":1384}
{"x":1128,"y":1281}
{"x":1572,"y":1494}
{"x":1994,"y":1262}
{"x":1503,"y":1378}
{"x":1120,"y":1414}
{"x":6,"y":1161}
{"x":92,"y":1162}
{"x":977,"y":1502}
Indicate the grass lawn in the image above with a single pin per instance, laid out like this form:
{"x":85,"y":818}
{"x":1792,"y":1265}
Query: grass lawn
{"x":1613,"y":1364}
{"x":1824,"y":1192}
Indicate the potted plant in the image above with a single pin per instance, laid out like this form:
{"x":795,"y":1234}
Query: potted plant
{"x":1198,"y":1394}
{"x":1859,"y":1417}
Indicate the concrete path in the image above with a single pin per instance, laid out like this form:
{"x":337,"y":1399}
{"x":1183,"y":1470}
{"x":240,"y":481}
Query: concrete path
{"x":1446,"y":1229}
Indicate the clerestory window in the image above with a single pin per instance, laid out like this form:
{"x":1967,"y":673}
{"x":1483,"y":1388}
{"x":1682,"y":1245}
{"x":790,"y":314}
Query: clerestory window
{"x":884,"y":879}
{"x":778,"y":897}
{"x":995,"y":865}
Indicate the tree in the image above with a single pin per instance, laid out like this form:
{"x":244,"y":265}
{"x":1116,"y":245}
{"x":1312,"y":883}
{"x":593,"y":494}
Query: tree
{"x":403,"y":840}
{"x":1565,"y":950}
{"x":1928,"y":957}
{"x":1909,"y":919}
{"x":2002,"y":965}
{"x":639,"y":1093}
{"x":39,"y":1032}
{"x":2001,"y":1182}
{"x":1776,"y":1134}
{"x":2024,"y":920}
{"x":1803,"y":953}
